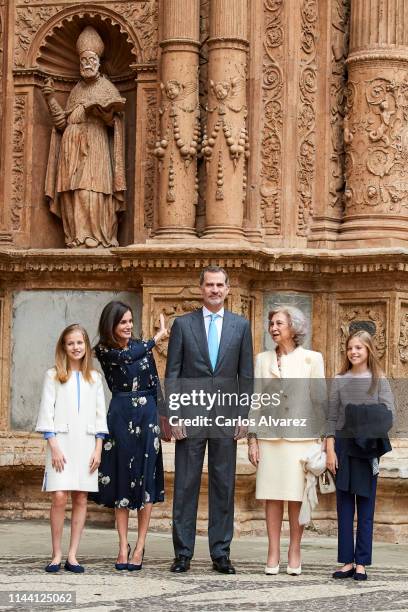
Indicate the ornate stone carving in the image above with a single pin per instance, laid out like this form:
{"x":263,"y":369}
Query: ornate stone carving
{"x":144,"y":18}
{"x":364,"y":316}
{"x":150,"y":171}
{"x":203,"y":98}
{"x":376,"y":137}
{"x":225,"y":144}
{"x":171,"y":309}
{"x":307,"y":114}
{"x":178,"y":139}
{"x":403,"y":336}
{"x":28,"y":21}
{"x":17,"y":173}
{"x":375,"y":125}
{"x":178,"y":100}
{"x":1,"y":72}
{"x":272,"y":120}
{"x":247,"y":310}
{"x":5,"y":236}
{"x":225,"y":92}
{"x":85,"y":180}
{"x":339,"y":47}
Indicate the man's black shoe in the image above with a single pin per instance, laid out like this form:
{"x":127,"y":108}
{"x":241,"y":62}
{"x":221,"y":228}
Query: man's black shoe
{"x":223,"y":565}
{"x":180,"y":564}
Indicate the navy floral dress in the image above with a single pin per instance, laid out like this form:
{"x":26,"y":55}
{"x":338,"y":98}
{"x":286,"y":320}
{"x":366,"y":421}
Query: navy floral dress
{"x":131,"y":470}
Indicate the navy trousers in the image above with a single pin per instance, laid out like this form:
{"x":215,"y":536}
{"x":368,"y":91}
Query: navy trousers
{"x":361,"y":552}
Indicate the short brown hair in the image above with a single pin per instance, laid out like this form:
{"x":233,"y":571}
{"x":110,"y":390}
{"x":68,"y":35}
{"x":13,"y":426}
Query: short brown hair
{"x":214,"y":270}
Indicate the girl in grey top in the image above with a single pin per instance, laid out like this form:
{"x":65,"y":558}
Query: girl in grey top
{"x":355,"y":388}
{"x":360,"y":381}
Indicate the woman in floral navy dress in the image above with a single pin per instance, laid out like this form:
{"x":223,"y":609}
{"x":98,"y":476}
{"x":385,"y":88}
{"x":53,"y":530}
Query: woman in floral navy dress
{"x":131,"y":471}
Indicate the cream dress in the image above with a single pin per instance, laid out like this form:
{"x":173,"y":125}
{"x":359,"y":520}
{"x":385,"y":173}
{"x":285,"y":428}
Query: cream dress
{"x":280,"y":474}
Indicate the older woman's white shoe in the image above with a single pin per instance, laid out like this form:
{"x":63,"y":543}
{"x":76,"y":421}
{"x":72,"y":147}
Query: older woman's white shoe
{"x":294,"y":571}
{"x":272,"y":571}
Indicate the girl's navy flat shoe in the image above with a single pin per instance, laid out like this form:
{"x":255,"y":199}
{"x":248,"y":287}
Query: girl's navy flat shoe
{"x":360,"y":576}
{"x":52,"y":568}
{"x":348,"y":574}
{"x":76,"y":569}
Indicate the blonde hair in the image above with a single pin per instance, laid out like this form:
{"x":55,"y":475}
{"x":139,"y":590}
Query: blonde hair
{"x":372,"y":360}
{"x":63,"y":371}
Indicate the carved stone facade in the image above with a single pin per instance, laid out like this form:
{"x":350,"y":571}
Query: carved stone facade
{"x":306,"y":119}
{"x":375,"y":132}
{"x":257,"y":138}
{"x":272,"y":128}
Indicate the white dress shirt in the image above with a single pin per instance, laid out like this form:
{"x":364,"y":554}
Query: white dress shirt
{"x":218,"y":321}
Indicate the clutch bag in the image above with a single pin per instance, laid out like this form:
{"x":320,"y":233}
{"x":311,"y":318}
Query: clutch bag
{"x":326,"y":482}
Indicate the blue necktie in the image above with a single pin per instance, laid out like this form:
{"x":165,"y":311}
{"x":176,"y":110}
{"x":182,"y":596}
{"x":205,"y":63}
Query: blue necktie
{"x":213,"y":340}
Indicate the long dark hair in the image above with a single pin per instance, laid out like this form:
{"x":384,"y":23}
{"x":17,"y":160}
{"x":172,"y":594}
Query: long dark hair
{"x":110,"y":317}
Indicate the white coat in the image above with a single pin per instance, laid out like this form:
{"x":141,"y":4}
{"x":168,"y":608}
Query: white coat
{"x":75,"y":429}
{"x":301,"y":387}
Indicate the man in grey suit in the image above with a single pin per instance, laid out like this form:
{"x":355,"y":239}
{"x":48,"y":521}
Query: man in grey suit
{"x":209,"y":349}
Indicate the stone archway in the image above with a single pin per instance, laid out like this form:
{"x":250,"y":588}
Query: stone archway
{"x":57,"y":53}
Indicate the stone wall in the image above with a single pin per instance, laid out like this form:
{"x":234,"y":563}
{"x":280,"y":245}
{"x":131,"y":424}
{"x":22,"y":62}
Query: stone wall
{"x":266,"y":136}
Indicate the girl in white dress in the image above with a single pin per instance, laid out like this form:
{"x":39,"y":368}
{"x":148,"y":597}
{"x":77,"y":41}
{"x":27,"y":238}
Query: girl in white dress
{"x":72,"y":418}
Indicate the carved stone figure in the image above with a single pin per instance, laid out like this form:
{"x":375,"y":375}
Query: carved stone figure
{"x":85,"y":180}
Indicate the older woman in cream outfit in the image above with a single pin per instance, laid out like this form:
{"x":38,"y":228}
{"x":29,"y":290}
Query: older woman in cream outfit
{"x":280,"y":475}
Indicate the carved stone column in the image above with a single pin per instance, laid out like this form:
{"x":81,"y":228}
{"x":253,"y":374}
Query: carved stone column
{"x":5,"y":234}
{"x":225,"y":142}
{"x":376,"y":125}
{"x":176,"y":146}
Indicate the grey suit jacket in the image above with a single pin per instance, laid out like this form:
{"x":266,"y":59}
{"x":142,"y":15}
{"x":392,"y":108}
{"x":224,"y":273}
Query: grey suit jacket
{"x":188,"y":361}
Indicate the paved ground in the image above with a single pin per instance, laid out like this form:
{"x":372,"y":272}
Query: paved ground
{"x":24,"y":549}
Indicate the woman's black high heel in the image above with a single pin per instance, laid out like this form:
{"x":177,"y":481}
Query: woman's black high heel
{"x":123,"y":566}
{"x":132,"y":567}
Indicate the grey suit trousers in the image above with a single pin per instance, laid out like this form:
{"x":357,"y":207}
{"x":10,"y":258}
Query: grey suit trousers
{"x":221,"y":485}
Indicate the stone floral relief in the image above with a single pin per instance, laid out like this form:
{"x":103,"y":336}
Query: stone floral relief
{"x":377,"y":144}
{"x":247,"y":310}
{"x":150,"y":167}
{"x":29,"y":19}
{"x":339,"y":48}
{"x":171,"y":308}
{"x":403,"y":334}
{"x":272,"y":121}
{"x":306,"y":120}
{"x":370,"y":317}
{"x":203,"y":98}
{"x":18,"y":153}
{"x":179,"y":127}
{"x":227,"y":103}
{"x":144,"y":18}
